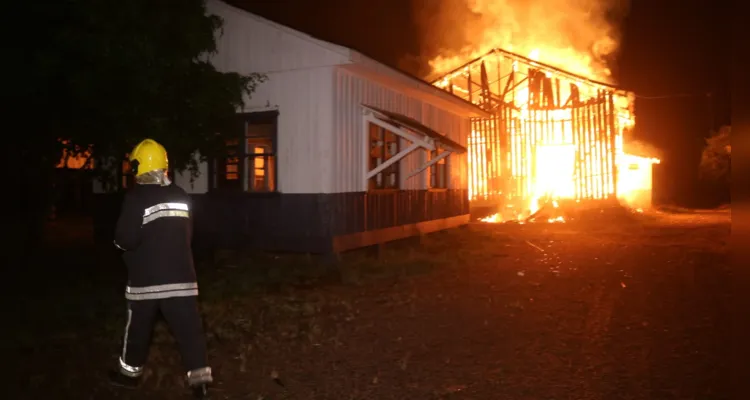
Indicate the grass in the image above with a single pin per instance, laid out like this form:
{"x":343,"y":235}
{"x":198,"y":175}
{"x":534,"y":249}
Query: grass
{"x":269,"y":315}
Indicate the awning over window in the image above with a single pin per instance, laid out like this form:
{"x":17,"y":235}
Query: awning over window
{"x":418,"y":134}
{"x":402,"y":121}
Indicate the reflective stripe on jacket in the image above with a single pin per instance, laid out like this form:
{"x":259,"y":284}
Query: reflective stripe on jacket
{"x":155,"y":231}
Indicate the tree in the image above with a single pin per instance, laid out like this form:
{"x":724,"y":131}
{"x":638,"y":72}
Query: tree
{"x":104,"y":75}
{"x":716,"y":160}
{"x":110,"y":73}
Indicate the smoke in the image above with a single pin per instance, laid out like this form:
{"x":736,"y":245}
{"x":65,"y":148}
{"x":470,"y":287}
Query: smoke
{"x":581,"y":36}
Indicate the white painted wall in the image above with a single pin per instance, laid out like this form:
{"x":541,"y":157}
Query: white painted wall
{"x":349,"y":139}
{"x":184,"y":180}
{"x":299,"y":69}
{"x":320,"y":126}
{"x":320,"y":130}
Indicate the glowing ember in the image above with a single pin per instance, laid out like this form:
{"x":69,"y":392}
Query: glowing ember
{"x":492,"y":218}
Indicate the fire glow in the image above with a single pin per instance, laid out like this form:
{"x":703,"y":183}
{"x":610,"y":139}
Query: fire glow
{"x":554,"y":137}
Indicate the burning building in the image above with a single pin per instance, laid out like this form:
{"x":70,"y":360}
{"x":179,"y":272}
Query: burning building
{"x":553,"y":136}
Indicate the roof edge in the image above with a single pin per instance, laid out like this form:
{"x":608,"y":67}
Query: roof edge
{"x":538,"y":64}
{"x":419,"y":84}
{"x":342,"y":50}
{"x":356,"y":57}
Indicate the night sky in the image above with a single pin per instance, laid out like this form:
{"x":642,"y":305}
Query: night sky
{"x":674,"y":56}
{"x":676,"y":47}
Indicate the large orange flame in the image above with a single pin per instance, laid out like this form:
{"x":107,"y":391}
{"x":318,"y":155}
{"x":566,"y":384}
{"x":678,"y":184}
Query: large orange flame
{"x":575,"y":35}
{"x":557,"y":152}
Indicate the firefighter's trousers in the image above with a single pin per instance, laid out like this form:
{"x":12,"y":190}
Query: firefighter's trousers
{"x":183,"y":319}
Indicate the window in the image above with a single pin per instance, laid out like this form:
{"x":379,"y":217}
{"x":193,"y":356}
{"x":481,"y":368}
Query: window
{"x":439,"y":170}
{"x":260,"y":161}
{"x":250,"y":161}
{"x":384,"y":145}
{"x":232,"y":163}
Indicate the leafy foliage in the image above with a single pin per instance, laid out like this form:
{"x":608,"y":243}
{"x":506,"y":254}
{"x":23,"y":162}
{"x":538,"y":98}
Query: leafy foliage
{"x":108,"y":74}
{"x":716,"y":160}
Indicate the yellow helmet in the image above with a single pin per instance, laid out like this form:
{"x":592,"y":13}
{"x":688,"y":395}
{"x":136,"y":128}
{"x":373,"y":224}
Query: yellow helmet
{"x":151,"y":156}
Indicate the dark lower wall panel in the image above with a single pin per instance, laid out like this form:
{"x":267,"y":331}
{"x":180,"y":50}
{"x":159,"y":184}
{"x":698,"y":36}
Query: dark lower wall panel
{"x":367,"y":211}
{"x":298,"y":222}
{"x":285,"y":222}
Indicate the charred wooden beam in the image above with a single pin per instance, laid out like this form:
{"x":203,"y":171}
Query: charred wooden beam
{"x":542,"y":65}
{"x":500,"y":53}
{"x":549,"y":97}
{"x":499,"y":73}
{"x":509,"y":85}
{"x":485,"y":86}
{"x":536,"y":78}
{"x":469,"y":86}
{"x":575,"y":95}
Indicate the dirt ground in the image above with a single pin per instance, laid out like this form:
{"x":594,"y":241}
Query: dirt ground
{"x":605,"y":307}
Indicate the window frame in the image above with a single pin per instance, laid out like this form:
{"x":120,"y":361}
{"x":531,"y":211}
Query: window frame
{"x":394,"y":169}
{"x":434,"y":170}
{"x":246,"y":160}
{"x":269,"y":159}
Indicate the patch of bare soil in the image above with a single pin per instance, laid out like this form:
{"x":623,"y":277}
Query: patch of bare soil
{"x":599,"y":308}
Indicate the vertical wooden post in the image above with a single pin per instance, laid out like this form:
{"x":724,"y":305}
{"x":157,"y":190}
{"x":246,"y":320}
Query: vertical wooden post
{"x":613,"y":139}
{"x":489,"y":155}
{"x":587,"y":135}
{"x":607,"y":142}
{"x":575,"y":130}
{"x":486,"y":98}
{"x":601,"y":140}
{"x":501,"y":128}
{"x":473,"y":150}
{"x":499,"y":74}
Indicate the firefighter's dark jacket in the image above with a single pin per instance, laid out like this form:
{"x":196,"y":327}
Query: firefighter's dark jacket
{"x":155,"y":231}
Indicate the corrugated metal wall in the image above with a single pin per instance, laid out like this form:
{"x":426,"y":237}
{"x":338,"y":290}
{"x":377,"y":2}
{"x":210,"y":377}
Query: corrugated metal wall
{"x":348,"y":140}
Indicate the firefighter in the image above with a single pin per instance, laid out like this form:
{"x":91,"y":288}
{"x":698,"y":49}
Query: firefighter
{"x":154,"y":230}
